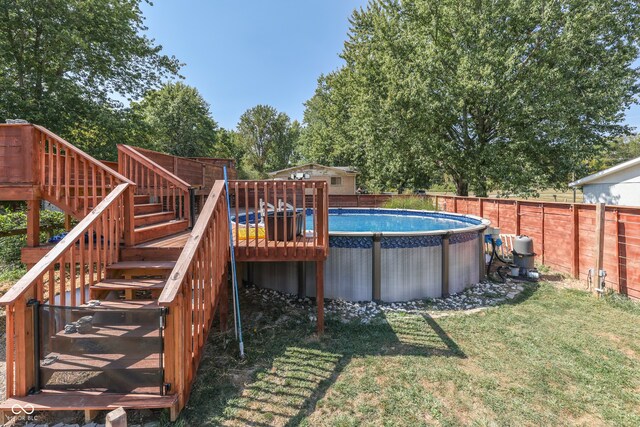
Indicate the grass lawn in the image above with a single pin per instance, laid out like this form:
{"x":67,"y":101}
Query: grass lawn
{"x":552,"y":357}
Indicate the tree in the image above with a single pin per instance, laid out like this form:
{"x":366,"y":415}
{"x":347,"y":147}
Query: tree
{"x":178,"y":121}
{"x":268,"y":139}
{"x":61,"y":61}
{"x":495,"y":94}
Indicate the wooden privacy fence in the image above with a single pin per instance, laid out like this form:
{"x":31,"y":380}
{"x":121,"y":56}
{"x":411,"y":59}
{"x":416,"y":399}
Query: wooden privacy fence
{"x":155,"y":181}
{"x":199,"y":172}
{"x":565,"y":234}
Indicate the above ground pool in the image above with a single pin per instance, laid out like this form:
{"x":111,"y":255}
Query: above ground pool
{"x":386,"y":255}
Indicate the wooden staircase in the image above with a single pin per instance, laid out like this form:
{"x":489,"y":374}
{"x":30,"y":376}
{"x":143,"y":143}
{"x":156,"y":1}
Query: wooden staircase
{"x":160,"y":275}
{"x":145,"y":337}
{"x":153,"y":222}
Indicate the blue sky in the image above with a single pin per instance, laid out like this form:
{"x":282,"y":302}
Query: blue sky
{"x":240,"y":53}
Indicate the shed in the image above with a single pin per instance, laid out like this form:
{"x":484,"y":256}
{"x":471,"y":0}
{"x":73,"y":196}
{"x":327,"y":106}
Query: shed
{"x":618,"y":185}
{"x":340,"y":179}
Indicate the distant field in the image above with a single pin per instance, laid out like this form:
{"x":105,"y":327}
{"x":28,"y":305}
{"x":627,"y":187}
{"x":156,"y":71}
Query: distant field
{"x":548,"y":195}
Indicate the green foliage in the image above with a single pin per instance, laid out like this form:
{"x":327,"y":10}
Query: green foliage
{"x":62,"y":60}
{"x":10,"y":246}
{"x":268,"y":139}
{"x":414,"y":202}
{"x":504,"y":95}
{"x":178,"y":121}
{"x":618,"y":150}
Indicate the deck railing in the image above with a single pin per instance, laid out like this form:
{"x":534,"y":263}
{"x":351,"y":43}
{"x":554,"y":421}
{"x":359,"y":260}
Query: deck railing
{"x":196,"y":287}
{"x":280,"y":218}
{"x":70,"y":178}
{"x":62,"y":277}
{"x":155,"y":181}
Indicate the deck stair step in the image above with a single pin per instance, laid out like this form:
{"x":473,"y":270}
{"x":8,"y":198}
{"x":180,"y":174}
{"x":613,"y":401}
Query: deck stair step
{"x":109,"y":332}
{"x":127,"y":305}
{"x":128,"y":284}
{"x":156,"y":231}
{"x":54,"y":400}
{"x":103,"y":362}
{"x":145,"y":208}
{"x":141,"y":199}
{"x":153,"y":218}
{"x":166,"y":266}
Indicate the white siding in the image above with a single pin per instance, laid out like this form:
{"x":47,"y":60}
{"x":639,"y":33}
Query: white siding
{"x":620,"y":188}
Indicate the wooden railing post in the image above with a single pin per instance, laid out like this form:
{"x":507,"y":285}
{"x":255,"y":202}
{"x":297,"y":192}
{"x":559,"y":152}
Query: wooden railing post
{"x":174,"y":350}
{"x":24,"y":345}
{"x":129,"y":216}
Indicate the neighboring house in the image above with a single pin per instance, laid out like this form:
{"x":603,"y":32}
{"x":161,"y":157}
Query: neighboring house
{"x":618,"y":185}
{"x":341,"y":180}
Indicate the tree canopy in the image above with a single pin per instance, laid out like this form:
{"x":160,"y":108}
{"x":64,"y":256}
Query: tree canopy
{"x":178,"y":121}
{"x":504,"y":95}
{"x":268,"y":139}
{"x":63,"y":61}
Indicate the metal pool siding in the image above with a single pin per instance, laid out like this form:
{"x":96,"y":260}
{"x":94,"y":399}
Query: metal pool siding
{"x":464,"y":267}
{"x":411,"y":273}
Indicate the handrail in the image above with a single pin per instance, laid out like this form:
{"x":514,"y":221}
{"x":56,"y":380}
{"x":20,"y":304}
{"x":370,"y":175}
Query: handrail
{"x":196,"y":287}
{"x":169,"y":176}
{"x":177,"y":276}
{"x":81,"y":153}
{"x":54,"y":255}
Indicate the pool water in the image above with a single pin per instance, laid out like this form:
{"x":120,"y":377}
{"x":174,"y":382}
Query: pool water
{"x":383,"y":222}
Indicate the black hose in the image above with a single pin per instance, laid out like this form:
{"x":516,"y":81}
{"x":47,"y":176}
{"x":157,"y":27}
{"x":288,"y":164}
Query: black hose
{"x":494,"y":254}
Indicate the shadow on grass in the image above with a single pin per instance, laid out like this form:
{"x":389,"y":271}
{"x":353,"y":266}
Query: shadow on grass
{"x":289,"y":370}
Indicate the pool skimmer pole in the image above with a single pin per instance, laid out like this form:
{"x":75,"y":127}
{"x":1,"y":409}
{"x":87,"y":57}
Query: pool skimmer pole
{"x":234,"y":278}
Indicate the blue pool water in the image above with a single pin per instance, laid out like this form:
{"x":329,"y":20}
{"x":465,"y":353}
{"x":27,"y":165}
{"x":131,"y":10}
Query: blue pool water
{"x":395,"y":221}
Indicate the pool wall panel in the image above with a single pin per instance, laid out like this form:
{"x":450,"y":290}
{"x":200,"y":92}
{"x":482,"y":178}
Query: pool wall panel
{"x":411,"y":273}
{"x":464,"y":268}
{"x":348,"y":274}
{"x":279,"y":276}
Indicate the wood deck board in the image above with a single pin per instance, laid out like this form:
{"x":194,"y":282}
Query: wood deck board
{"x":278,"y":250}
{"x":54,"y":400}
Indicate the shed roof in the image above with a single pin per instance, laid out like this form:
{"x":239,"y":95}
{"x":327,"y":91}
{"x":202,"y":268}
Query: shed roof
{"x":614,"y":169}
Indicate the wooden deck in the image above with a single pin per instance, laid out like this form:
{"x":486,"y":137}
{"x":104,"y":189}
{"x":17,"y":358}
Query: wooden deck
{"x":141,"y":239}
{"x":303,"y":249}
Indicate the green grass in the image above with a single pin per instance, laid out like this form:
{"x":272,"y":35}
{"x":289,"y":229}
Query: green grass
{"x":553,"y":357}
{"x":415,"y":202}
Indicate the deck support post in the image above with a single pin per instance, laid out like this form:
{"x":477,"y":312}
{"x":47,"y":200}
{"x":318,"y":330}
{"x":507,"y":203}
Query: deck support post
{"x":320,"y":295}
{"x":33,"y":223}
{"x":302,"y":279}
